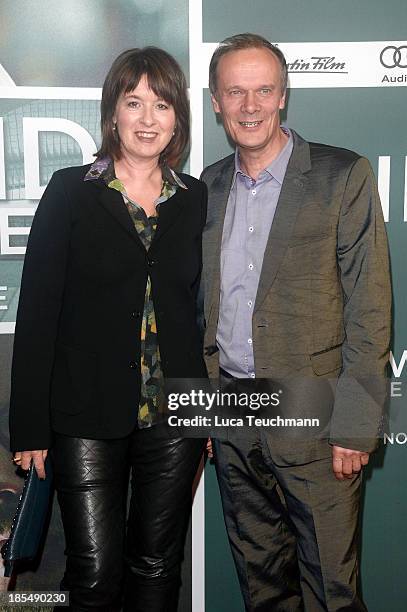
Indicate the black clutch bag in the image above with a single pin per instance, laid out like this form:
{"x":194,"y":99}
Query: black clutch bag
{"x":28,"y":523}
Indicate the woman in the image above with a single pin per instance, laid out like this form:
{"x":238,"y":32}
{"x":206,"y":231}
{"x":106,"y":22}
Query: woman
{"x":107,"y":310}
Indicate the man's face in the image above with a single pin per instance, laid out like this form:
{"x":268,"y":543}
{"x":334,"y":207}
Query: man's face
{"x":249,"y":97}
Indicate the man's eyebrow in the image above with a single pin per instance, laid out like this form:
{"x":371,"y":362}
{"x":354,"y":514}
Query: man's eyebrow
{"x":264,"y":86}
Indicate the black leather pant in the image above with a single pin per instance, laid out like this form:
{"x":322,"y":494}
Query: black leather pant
{"x":104,"y":560}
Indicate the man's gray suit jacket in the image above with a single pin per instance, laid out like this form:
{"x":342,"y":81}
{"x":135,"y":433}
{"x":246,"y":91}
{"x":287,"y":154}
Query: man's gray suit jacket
{"x":321,"y":321}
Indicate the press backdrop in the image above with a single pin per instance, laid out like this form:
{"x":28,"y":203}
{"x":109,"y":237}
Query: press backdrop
{"x":348,"y":78}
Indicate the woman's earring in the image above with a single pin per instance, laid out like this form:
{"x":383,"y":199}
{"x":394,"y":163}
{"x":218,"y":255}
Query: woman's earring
{"x":114,"y":127}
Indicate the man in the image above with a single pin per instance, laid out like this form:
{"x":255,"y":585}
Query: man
{"x":296,"y":283}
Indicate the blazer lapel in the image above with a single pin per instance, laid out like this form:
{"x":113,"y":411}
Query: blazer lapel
{"x":112,"y":201}
{"x":212,"y":237}
{"x":169,"y":213}
{"x":289,"y":203}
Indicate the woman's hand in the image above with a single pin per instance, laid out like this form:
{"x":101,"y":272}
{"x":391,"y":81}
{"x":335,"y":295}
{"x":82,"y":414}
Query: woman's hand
{"x":23,"y":459}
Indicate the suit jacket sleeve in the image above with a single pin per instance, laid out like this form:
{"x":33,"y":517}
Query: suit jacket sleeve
{"x":41,"y":294}
{"x":362,"y":252}
{"x":200,"y":300}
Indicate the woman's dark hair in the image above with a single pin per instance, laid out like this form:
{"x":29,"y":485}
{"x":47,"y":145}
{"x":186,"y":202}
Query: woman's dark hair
{"x":167,"y":81}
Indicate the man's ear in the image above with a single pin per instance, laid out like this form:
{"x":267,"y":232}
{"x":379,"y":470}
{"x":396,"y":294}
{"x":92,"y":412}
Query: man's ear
{"x":215,"y":104}
{"x":282,"y":102}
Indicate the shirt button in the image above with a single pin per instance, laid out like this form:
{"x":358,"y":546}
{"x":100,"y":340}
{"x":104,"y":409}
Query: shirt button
{"x":133,"y":365}
{"x":252,"y":375}
{"x":250,"y":341}
{"x":250,"y":303}
{"x":251,"y":228}
{"x":254,"y":192}
{"x":251,"y":266}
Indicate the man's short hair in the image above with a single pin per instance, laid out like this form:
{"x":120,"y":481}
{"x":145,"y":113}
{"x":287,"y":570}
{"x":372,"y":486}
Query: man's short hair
{"x":245,"y":41}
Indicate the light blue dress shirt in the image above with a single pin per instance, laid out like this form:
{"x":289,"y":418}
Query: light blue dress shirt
{"x":249,"y":216}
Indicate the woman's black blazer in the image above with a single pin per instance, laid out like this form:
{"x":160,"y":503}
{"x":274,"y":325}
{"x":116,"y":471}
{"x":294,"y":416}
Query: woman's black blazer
{"x":76,"y":362}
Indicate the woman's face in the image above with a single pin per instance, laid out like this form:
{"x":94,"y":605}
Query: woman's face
{"x":145,"y":123}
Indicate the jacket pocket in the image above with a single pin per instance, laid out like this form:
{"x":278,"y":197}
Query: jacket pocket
{"x":327,"y":361}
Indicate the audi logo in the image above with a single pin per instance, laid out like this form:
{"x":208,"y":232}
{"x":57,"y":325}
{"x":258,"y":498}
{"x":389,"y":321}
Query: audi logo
{"x":394,"y":57}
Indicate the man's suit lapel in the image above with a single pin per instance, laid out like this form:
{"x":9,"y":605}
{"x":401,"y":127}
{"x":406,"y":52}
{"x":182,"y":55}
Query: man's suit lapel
{"x":218,"y":199}
{"x":289,"y":203}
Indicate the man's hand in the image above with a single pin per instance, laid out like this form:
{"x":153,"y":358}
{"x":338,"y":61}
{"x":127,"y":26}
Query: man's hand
{"x":347,"y":462}
{"x":24,"y":458}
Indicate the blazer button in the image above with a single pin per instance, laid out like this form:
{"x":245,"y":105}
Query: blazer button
{"x":136,"y":314}
{"x":151,"y":262}
{"x":133,"y":365}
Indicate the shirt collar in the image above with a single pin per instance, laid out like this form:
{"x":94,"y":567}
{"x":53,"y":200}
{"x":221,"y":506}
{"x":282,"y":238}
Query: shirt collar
{"x":278,"y":166}
{"x":105,"y":165}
